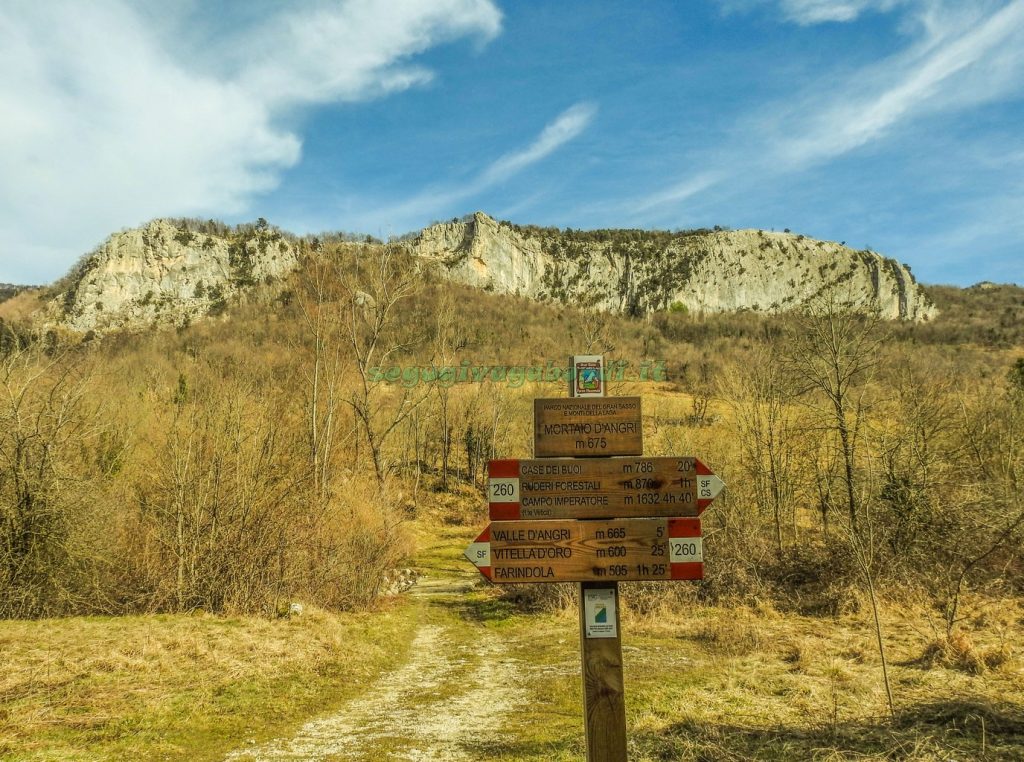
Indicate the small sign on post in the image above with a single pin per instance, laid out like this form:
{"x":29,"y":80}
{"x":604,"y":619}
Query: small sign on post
{"x":600,"y":613}
{"x":587,"y":376}
{"x":604,"y":427}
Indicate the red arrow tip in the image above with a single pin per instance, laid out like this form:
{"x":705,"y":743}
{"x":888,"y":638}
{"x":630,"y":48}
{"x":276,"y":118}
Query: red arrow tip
{"x":703,"y":470}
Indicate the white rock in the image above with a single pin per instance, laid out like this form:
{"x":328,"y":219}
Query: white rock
{"x":704,"y":272}
{"x":161,"y":274}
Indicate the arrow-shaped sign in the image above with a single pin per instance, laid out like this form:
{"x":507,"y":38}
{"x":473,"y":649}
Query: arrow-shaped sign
{"x":582,"y":551}
{"x":479,"y":552}
{"x":624,"y":487}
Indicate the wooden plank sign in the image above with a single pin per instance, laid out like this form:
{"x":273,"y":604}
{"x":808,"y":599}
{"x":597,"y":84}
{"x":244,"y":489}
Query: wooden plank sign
{"x":619,"y":550}
{"x":605,"y":488}
{"x":587,"y":427}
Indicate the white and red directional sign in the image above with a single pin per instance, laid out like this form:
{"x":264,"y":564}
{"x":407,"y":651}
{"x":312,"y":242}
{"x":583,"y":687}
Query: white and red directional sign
{"x":568,"y":550}
{"x":618,"y":487}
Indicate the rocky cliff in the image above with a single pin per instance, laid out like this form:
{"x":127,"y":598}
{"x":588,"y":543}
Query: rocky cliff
{"x":636,"y":271}
{"x":166,"y":272}
{"x":176,"y":272}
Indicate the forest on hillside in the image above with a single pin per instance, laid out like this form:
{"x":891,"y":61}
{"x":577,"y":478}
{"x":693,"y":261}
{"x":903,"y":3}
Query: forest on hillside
{"x":9,"y":290}
{"x":241,"y":463}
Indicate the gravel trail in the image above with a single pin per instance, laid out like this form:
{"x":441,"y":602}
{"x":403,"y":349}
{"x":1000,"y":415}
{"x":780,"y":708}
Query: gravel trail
{"x":448,"y":697}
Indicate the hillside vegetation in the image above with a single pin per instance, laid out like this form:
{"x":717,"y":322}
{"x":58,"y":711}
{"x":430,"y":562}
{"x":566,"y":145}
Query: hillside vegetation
{"x":219,"y":437}
{"x":9,"y":290}
{"x":988,"y":314}
{"x":271,"y":455}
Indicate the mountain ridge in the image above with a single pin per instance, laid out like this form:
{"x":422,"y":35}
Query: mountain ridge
{"x":177,"y":271}
{"x":638,"y":272}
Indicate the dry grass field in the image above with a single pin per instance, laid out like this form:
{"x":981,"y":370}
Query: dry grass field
{"x":703,"y":682}
{"x":179,"y":686}
{"x":176,"y":489}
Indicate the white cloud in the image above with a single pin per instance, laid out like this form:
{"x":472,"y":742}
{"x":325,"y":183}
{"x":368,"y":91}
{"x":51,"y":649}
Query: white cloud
{"x":435,"y":200}
{"x":103,"y":126}
{"x":960,"y":58}
{"x":960,"y":62}
{"x":357,"y":50}
{"x":807,"y":12}
{"x":681,"y":191}
{"x":810,"y":12}
{"x":567,"y":126}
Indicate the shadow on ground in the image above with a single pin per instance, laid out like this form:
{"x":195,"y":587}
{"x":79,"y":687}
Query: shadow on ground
{"x":951,"y":729}
{"x":481,"y":608}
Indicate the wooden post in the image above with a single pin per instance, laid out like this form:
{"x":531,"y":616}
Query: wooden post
{"x":604,"y":695}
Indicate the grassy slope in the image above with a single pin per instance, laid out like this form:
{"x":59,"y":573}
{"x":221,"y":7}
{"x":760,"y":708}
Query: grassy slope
{"x":992,"y":315}
{"x":21,"y":304}
{"x":179,"y":687}
{"x":702,"y":683}
{"x":721,"y":683}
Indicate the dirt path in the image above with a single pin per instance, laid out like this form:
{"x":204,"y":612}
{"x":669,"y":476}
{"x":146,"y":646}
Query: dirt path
{"x":453,"y":693}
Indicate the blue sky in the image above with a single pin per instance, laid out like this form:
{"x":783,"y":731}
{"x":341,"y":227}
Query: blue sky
{"x":894,"y":124}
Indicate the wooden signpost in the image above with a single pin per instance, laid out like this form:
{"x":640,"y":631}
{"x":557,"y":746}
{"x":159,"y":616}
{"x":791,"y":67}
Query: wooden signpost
{"x":589,"y":508}
{"x":589,"y":551}
{"x":573,"y":488}
{"x":587,"y":427}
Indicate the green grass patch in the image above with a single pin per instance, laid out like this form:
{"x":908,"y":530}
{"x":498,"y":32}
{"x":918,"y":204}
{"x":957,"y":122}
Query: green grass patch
{"x":182,"y":687}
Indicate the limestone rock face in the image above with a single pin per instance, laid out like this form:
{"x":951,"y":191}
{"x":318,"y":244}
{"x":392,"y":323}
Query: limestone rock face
{"x":641,"y":271}
{"x":165,"y":274}
{"x":484,"y":254}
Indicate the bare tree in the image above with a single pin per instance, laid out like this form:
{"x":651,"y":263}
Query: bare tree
{"x":990,"y":519}
{"x":323,"y":370}
{"x":832,"y":351}
{"x":594,"y":333}
{"x":449,"y":341}
{"x":379,"y":284}
{"x":915,"y":445}
{"x":765,"y":420}
{"x":219,"y":505}
{"x":951,"y":465}
{"x":865,"y":552}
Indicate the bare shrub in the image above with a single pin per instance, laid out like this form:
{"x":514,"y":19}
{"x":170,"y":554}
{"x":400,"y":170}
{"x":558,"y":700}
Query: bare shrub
{"x":214,"y":529}
{"x":738,"y":635}
{"x":47,"y":427}
{"x":349,"y":549}
{"x":557,"y":597}
{"x":651,"y":599}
